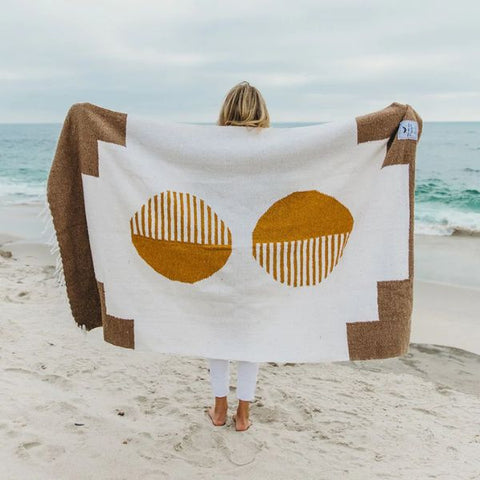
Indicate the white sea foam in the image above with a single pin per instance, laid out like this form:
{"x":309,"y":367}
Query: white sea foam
{"x":16,"y":192}
{"x":431,"y":221}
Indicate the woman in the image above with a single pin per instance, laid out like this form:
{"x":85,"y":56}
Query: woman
{"x":243,"y":106}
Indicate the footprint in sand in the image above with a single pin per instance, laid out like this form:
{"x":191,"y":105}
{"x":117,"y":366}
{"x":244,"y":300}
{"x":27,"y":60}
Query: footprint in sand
{"x":240,"y":448}
{"x":38,"y":450}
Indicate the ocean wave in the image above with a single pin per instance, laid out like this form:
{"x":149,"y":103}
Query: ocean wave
{"x":435,"y":190}
{"x":17,"y":192}
{"x":442,"y":230}
{"x":432,"y":220}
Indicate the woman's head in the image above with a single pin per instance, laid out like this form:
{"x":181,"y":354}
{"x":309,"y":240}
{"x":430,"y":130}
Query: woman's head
{"x":244,"y":106}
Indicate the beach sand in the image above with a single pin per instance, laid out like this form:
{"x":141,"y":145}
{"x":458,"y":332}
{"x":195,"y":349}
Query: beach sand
{"x":75,"y":407}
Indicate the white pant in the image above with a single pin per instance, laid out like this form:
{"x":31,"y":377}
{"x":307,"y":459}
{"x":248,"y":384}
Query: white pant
{"x":246,"y":378}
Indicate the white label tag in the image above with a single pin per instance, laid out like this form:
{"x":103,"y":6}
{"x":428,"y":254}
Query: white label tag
{"x":408,"y":130}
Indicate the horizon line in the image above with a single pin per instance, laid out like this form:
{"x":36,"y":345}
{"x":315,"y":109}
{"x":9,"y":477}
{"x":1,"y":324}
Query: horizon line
{"x":272,"y":123}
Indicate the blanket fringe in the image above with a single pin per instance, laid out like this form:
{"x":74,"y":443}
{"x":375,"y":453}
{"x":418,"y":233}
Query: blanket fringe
{"x":50,"y":236}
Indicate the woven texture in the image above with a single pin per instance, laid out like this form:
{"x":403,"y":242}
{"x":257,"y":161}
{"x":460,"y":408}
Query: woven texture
{"x":277,"y":244}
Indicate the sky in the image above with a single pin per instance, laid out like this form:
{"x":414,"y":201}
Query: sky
{"x":312,"y":60}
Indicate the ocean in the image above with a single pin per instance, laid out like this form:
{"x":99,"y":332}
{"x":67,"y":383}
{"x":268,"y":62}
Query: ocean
{"x":447,"y":193}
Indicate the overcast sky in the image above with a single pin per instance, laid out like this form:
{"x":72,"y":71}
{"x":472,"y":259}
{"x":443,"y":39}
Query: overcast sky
{"x":175,"y":60}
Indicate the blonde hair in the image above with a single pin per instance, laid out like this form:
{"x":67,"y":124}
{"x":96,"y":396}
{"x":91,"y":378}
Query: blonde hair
{"x":244,"y":106}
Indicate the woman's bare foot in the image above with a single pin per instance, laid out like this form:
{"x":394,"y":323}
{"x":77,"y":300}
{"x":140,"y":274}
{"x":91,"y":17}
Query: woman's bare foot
{"x":218,"y":413}
{"x":241,"y":425}
{"x":241,"y":418}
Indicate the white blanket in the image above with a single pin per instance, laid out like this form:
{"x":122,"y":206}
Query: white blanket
{"x":262,"y":245}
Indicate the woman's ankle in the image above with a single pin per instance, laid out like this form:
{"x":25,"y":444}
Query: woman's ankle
{"x":243,"y":408}
{"x":221,"y":403}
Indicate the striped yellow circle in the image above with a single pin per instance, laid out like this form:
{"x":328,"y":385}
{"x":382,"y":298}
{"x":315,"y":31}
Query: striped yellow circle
{"x":180,"y":236}
{"x":301,"y":237}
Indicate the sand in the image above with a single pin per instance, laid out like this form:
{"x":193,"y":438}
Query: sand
{"x":75,"y":407}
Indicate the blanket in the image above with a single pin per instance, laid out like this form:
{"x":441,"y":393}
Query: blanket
{"x":269,"y":244}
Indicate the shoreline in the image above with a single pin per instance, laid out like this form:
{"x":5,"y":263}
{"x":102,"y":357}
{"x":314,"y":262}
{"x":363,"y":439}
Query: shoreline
{"x":446,"y":314}
{"x":452,"y":260}
{"x":449,"y":260}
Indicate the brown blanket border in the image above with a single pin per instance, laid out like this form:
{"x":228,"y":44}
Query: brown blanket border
{"x":390,"y":335}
